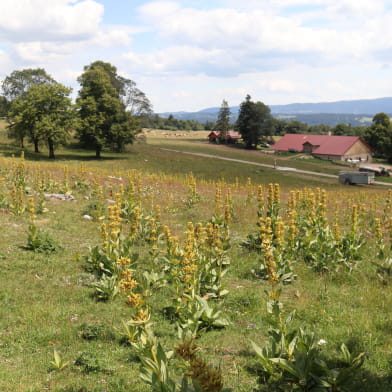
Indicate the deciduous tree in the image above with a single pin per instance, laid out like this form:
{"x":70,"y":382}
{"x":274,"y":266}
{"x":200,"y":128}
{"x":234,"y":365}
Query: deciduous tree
{"x":45,"y":113}
{"x":254,"y":121}
{"x":104,"y":120}
{"x":17,"y":84}
{"x":19,"y":81}
{"x":379,"y":135}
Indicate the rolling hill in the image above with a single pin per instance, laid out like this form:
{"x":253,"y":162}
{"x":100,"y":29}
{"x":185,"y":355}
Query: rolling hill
{"x":355,"y":112}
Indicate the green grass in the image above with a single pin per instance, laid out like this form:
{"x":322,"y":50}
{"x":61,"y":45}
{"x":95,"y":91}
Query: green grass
{"x":47,"y":303}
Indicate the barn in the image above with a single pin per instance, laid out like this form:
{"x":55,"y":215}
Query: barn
{"x":328,"y":147}
{"x":231,"y":137}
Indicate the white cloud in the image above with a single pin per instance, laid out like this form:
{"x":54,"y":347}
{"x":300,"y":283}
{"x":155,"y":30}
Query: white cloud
{"x":112,"y":36}
{"x":45,"y":20}
{"x":5,"y":62}
{"x":177,"y":59}
{"x":280,"y":85}
{"x":39,"y":52}
{"x":253,"y":35}
{"x":55,"y":33}
{"x":364,"y":8}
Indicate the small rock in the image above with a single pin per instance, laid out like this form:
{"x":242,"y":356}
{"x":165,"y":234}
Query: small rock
{"x":88,"y":217}
{"x":60,"y":196}
{"x":86,"y":198}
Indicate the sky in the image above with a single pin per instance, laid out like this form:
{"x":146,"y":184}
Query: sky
{"x":190,"y":55}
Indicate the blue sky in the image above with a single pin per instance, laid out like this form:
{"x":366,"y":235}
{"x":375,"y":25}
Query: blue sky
{"x":189,"y":55}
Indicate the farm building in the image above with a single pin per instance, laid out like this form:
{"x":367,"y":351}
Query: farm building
{"x":328,"y":147}
{"x":231,"y":137}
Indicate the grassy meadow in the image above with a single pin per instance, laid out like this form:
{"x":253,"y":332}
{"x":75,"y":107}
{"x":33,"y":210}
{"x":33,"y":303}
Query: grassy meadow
{"x":253,"y":243}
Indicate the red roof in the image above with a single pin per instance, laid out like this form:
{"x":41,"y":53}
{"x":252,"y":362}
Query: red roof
{"x":233,"y":135}
{"x":327,"y":144}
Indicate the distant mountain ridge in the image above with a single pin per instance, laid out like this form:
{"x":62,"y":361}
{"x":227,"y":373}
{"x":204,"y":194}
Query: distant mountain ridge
{"x":355,"y":112}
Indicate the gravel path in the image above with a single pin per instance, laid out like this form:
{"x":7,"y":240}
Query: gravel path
{"x":281,"y":168}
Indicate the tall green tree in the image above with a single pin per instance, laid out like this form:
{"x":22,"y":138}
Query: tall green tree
{"x":254,"y":122}
{"x":4,"y":106}
{"x":295,"y":126}
{"x":223,"y":122}
{"x":134,"y":100}
{"x":342,"y":129}
{"x":45,"y":113}
{"x":16,"y":85}
{"x":104,"y":120}
{"x":19,"y":81}
{"x":379,"y":135}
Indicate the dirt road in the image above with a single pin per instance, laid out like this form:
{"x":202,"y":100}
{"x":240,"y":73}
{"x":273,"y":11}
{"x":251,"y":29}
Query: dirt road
{"x":281,"y":168}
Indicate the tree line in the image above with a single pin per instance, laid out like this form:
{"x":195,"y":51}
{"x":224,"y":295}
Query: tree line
{"x":107,"y":113}
{"x":172,"y":124}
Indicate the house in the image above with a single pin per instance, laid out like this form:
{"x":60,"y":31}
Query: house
{"x":231,"y":137}
{"x":328,"y":147}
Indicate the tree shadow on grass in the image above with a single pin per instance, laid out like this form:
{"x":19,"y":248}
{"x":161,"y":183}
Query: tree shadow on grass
{"x":9,"y":150}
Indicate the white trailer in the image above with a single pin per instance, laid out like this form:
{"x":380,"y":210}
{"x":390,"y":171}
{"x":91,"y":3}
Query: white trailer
{"x":356,"y":177}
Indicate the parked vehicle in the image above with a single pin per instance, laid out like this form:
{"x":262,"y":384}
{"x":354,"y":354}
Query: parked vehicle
{"x":356,"y":177}
{"x":378,"y":171}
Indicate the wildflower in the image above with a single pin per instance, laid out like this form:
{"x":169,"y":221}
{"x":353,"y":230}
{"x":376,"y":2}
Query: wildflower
{"x":142,"y":315}
{"x":135,"y":300}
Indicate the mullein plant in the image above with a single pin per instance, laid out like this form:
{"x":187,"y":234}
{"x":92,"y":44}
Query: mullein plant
{"x":352,"y":242}
{"x":19,"y":175}
{"x":320,"y":245}
{"x":32,"y":231}
{"x":249,"y":190}
{"x":214,"y":262}
{"x":38,"y":240}
{"x":106,"y":260}
{"x":196,"y":270}
{"x":17,"y":200}
{"x":265,"y":208}
{"x":194,"y":196}
{"x":178,"y":370}
{"x":295,"y":359}
{"x":383,"y":253}
{"x":4,"y":203}
{"x":65,"y":187}
{"x":275,"y":264}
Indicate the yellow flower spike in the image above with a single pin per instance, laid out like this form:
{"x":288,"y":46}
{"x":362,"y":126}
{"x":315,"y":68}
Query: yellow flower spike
{"x":123,"y":262}
{"x":292,"y":201}
{"x":166,"y":232}
{"x":142,"y":315}
{"x":260,"y":194}
{"x":158,"y":212}
{"x":218,"y":199}
{"x":276,"y":194}
{"x":378,"y":230}
{"x":261,"y":228}
{"x":354,"y":218}
{"x":227,"y":214}
{"x":135,"y":300}
{"x":270,"y":195}
{"x":127,"y":285}
{"x":279,"y":232}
